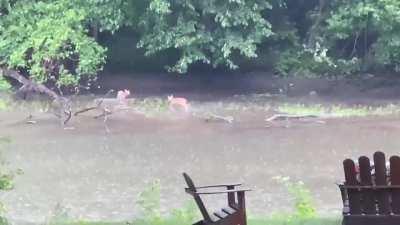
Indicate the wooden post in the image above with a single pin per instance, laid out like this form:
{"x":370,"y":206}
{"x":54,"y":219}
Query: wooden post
{"x":231,"y":196}
{"x":242,"y":207}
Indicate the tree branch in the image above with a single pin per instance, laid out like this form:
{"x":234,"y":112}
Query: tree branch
{"x":29,"y":85}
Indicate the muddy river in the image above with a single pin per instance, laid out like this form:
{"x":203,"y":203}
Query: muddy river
{"x":96,"y":173}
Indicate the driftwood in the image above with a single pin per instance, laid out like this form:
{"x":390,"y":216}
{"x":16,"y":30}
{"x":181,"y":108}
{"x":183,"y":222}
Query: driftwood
{"x":288,"y":117}
{"x":62,"y":104}
{"x":217,"y":118}
{"x":86,"y":110}
{"x":98,"y":106}
{"x":106,"y":105}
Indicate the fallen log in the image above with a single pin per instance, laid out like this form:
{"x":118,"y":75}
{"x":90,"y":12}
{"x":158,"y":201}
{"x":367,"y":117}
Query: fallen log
{"x":61,"y":103}
{"x":98,"y":104}
{"x":288,"y":116}
{"x":217,"y":118}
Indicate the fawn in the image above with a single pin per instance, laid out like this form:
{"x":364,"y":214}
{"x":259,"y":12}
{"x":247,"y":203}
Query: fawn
{"x":178,"y":103}
{"x":122,"y":96}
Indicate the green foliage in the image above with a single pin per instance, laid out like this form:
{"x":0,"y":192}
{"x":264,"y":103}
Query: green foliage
{"x":6,"y":180}
{"x":84,"y":223}
{"x":6,"y":177}
{"x":49,"y":39}
{"x":251,"y":221}
{"x":338,"y":110}
{"x":314,"y":63}
{"x":282,"y":220}
{"x":59,"y":215}
{"x":5,"y":6}
{"x":4,"y":105}
{"x":105,"y":15}
{"x":151,"y":107}
{"x":211,"y":32}
{"x":149,"y":203}
{"x":4,"y":140}
{"x":371,"y":28}
{"x":262,"y":220}
{"x":58,"y":41}
{"x":303,"y":201}
{"x":4,"y":85}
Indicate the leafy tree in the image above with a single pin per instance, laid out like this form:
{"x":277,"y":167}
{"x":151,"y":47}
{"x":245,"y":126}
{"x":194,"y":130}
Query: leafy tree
{"x":369,"y":29}
{"x":210,"y":32}
{"x":50,"y":41}
{"x":57,"y":42}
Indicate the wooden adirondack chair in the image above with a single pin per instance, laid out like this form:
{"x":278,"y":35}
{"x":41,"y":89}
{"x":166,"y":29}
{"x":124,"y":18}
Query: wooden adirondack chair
{"x":233,"y":214}
{"x":371,"y":198}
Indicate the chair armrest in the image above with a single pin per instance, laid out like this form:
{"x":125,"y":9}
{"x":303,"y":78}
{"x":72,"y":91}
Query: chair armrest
{"x":221,"y":192}
{"x":369,"y":187}
{"x":339,"y":185}
{"x":219,"y":185}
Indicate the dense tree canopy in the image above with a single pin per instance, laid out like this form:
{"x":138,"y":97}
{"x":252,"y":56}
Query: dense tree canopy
{"x":57,"y":41}
{"x":207,"y":31}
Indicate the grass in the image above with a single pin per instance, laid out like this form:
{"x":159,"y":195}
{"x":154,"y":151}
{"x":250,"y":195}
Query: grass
{"x":284,"y":221}
{"x":149,"y":205}
{"x":9,"y":104}
{"x":4,"y":101}
{"x":273,"y":220}
{"x":3,"y":105}
{"x":158,"y":107}
{"x":338,"y":111}
{"x":150,"y":107}
{"x":87,"y":223}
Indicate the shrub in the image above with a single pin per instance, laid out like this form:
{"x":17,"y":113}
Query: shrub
{"x":303,"y":201}
{"x":149,"y":203}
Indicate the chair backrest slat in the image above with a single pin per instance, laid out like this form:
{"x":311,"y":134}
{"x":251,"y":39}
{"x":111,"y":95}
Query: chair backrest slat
{"x":395,"y":180}
{"x":381,"y":179}
{"x":197,"y":199}
{"x":371,"y":191}
{"x":367,"y":195}
{"x":353,"y":194}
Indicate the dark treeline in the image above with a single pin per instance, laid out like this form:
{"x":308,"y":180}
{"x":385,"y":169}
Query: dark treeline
{"x":66,"y":42}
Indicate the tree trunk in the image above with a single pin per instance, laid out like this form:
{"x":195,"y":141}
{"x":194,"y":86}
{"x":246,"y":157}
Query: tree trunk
{"x":314,"y":28}
{"x":28,"y":84}
{"x":62,"y":103}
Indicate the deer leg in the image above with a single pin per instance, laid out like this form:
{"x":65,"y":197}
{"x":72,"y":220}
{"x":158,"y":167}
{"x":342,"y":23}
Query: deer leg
{"x":68,"y":115}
